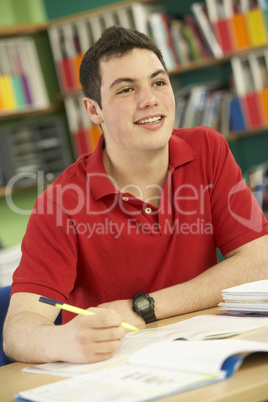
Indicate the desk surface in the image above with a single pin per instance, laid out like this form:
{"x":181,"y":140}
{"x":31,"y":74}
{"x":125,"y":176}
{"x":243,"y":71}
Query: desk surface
{"x":249,"y":383}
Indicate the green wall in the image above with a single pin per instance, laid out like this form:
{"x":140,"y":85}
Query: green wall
{"x":14,"y":215}
{"x":15,"y":12}
{"x":250,"y":151}
{"x":62,"y":8}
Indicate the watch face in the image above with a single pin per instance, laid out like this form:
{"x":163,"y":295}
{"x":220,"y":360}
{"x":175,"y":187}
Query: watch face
{"x":142,"y":304}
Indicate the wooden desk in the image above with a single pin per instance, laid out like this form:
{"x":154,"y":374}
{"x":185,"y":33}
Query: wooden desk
{"x":249,"y":383}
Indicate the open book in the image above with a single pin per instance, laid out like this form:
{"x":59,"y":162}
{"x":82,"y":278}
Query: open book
{"x":158,"y":369}
{"x":202,"y":327}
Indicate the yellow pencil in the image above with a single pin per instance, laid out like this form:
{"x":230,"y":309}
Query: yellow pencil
{"x":78,"y":310}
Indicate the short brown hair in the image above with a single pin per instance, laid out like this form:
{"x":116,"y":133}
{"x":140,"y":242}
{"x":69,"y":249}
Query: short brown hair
{"x":114,"y":41}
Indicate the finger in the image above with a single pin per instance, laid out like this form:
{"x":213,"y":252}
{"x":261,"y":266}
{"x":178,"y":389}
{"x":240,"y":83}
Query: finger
{"x":106,"y":347}
{"x":105,"y":318}
{"x":107,"y":334}
{"x":99,"y":357}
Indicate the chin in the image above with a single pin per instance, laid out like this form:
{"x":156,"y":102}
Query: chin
{"x":155,"y":145}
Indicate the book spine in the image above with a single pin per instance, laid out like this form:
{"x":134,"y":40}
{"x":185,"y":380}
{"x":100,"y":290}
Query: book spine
{"x":220,"y":13}
{"x":96,"y":27}
{"x":181,"y":46}
{"x":201,"y":17}
{"x":256,"y":26}
{"x":258,"y":65}
{"x":124,"y":17}
{"x":85,"y":134}
{"x":10,"y":70}
{"x":140,"y":13}
{"x":190,"y":38}
{"x":253,"y":110}
{"x":65,"y":63}
{"x":161,"y":37}
{"x":189,"y":20}
{"x":238,"y":22}
{"x":11,"y":96}
{"x":248,"y":84}
{"x":237,"y":115}
{"x":32,"y":70}
{"x":109,"y":19}
{"x":167,"y":34}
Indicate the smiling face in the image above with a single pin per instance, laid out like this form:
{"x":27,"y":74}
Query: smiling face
{"x":138,"y":103}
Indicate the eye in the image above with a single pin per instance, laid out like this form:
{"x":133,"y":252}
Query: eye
{"x":160,"y":83}
{"x":125,"y":90}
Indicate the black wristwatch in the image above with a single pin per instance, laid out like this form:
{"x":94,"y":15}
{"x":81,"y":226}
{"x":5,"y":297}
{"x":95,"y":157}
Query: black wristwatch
{"x":143,"y":304}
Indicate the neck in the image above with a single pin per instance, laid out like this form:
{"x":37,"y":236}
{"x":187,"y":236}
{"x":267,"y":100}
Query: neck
{"x":141,"y":175}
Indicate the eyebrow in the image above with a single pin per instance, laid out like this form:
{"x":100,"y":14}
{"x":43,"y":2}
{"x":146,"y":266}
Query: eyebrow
{"x":131,"y":80}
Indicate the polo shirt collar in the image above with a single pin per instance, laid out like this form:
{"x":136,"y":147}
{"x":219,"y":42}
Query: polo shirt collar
{"x":100,"y":183}
{"x":180,"y":151}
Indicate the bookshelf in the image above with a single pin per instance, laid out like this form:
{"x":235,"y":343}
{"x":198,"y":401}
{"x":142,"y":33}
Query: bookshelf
{"x":94,"y":21}
{"x":212,"y":61}
{"x":33,"y":112}
{"x":32,"y":135}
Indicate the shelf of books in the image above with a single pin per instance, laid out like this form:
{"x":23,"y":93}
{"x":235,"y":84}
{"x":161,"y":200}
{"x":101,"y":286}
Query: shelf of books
{"x":236,"y":112}
{"x":33,"y":132}
{"x":215,"y":32}
{"x":24,"y":86}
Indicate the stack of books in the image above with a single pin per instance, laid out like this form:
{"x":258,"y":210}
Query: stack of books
{"x":203,"y":104}
{"x":238,"y":24}
{"x":85,"y":134}
{"x":70,"y":40}
{"x":250,"y":298}
{"x":22,"y":86}
{"x":250,"y":73}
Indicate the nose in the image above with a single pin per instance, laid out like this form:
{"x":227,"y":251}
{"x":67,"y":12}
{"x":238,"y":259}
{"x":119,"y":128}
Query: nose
{"x":147,"y":98}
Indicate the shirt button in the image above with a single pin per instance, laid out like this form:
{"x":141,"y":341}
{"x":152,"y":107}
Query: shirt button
{"x":148,"y":210}
{"x":125,"y":198}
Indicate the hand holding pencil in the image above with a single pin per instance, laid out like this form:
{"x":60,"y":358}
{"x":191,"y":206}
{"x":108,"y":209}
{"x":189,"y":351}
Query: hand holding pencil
{"x":78,"y":310}
{"x":91,"y":340}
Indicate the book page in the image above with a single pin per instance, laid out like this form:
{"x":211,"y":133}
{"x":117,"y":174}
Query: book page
{"x":196,"y":328}
{"x":252,"y":288}
{"x":199,"y":356}
{"x":203,"y":327}
{"x":119,"y":384}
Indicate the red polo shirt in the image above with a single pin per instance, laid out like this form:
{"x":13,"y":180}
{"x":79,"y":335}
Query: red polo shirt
{"x":87,"y":243}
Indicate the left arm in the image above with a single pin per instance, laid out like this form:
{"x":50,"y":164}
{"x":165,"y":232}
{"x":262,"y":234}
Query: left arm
{"x":247,"y":263}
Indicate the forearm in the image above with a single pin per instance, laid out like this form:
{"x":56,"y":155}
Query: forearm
{"x":204,"y":291}
{"x":30,"y":334}
{"x":31,"y":338}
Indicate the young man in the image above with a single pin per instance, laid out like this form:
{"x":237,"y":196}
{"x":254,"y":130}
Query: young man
{"x":135,"y":223}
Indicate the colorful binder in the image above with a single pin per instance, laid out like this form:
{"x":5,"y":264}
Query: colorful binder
{"x":256,"y":27}
{"x":239,"y":28}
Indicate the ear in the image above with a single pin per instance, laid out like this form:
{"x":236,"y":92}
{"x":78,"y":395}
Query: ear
{"x":93,"y":110}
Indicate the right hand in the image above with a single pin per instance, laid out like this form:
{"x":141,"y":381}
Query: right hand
{"x":89,"y":339}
